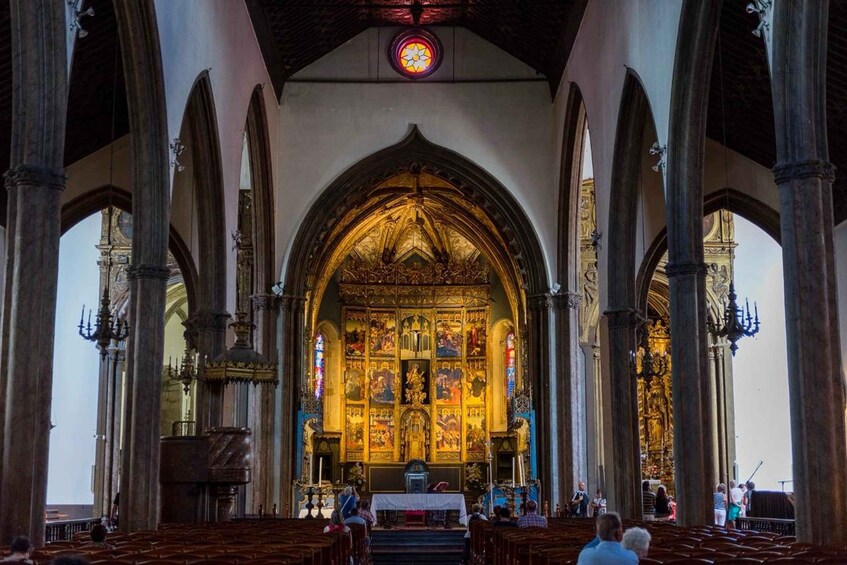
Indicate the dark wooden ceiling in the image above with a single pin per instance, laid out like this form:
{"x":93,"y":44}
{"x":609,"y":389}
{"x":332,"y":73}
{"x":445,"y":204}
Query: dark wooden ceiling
{"x":525,"y":28}
{"x":295,"y":33}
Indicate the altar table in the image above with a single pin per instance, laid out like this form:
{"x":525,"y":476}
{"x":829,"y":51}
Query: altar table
{"x":439,"y":501}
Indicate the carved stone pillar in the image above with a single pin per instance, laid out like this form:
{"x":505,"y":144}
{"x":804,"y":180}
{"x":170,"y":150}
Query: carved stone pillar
{"x":106,"y":464}
{"x":695,"y":471}
{"x":538,"y":372}
{"x":208,"y":332}
{"x":569,"y":402}
{"x":263,"y":413}
{"x":292,"y":366}
{"x":34,"y":183}
{"x":148,"y":274}
{"x":624,"y":488}
{"x":804,"y":177}
{"x":723,"y":414}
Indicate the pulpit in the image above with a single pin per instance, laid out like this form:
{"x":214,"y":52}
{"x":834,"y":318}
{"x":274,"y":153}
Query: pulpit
{"x":417,"y":477}
{"x":199,"y":474}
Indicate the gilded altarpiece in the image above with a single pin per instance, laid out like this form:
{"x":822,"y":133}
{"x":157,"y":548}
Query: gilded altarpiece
{"x":415,"y":383}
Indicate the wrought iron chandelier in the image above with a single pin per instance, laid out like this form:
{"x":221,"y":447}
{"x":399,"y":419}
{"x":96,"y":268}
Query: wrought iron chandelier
{"x":106,"y":330}
{"x":653,"y":364}
{"x":737,"y":322}
{"x":187,"y":372}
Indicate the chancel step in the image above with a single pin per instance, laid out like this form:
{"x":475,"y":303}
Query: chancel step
{"x":411,"y":547}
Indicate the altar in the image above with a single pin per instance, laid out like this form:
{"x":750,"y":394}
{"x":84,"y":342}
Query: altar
{"x":401,"y":502}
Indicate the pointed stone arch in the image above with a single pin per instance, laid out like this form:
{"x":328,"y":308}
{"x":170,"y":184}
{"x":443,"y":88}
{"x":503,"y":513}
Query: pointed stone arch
{"x":350,"y":191}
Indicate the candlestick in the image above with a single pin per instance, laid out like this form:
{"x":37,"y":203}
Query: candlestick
{"x":320,"y":470}
{"x":513,"y":471}
{"x":311,"y":466}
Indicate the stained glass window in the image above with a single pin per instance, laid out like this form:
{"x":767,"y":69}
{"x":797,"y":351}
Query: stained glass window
{"x":320,"y":366}
{"x":510,"y":364}
{"x":415,"y":53}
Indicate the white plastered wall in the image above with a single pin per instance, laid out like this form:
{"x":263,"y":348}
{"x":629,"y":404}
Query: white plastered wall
{"x":504,"y":127}
{"x":218,"y":36}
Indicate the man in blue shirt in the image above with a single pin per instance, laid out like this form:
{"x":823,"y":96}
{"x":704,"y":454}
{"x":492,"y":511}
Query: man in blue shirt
{"x":609,"y":550}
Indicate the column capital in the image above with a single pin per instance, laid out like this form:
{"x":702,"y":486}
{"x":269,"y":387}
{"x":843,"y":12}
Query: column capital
{"x":207,"y":319}
{"x":569,"y":300}
{"x":291,"y":303}
{"x":33,"y":175}
{"x":810,"y":168}
{"x":146,"y":271}
{"x":264,"y":301}
{"x":541,"y":301}
{"x":628,"y":318}
{"x":686,"y":268}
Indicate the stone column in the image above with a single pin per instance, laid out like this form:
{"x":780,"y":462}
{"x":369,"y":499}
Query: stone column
{"x":114,"y":417}
{"x":100,"y":497}
{"x":804,"y":176}
{"x":537,"y":342}
{"x":263,"y":409}
{"x":625,"y":485}
{"x":208,"y":331}
{"x":148,"y":274}
{"x":293,"y":344}
{"x":570,"y":401}
{"x":34,"y":183}
{"x":695,"y":470}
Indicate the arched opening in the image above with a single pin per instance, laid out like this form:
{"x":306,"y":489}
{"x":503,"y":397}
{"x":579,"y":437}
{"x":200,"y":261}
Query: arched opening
{"x":413,"y":253}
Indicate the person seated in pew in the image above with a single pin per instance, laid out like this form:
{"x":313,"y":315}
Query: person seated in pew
{"x":365,"y":513}
{"x":609,"y":550}
{"x":532,"y":519}
{"x":637,"y":540}
{"x":354,"y":518}
{"x":336,"y":523}
{"x":98,"y":537}
{"x":505,"y":519}
{"x":21,"y":549}
{"x":476,"y":514}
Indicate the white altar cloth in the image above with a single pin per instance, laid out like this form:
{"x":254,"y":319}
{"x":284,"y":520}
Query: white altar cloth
{"x":439,"y":501}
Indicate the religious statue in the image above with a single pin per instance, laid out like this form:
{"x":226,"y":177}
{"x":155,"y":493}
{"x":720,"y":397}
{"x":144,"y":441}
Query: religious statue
{"x":414,"y":440}
{"x":656,"y":418}
{"x":415,"y":385}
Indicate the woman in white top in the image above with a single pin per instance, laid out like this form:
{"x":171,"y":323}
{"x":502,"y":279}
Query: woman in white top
{"x":598,"y":504}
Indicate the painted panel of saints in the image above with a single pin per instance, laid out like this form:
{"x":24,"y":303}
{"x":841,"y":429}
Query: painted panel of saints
{"x":355,"y":428}
{"x":383,"y":385}
{"x":448,"y":383}
{"x":355,"y":331}
{"x":382,"y":429}
{"x":382,"y":338}
{"x":448,"y":336}
{"x":475,"y":433}
{"x":476,"y":333}
{"x":476,"y":381}
{"x":354,"y":382}
{"x":448,"y":429}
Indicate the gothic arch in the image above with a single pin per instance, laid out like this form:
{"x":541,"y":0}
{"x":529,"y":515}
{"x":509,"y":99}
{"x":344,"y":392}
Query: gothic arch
{"x":737,"y":202}
{"x":626,"y":188}
{"x":101,"y":197}
{"x":201,"y":119}
{"x":349,"y":192}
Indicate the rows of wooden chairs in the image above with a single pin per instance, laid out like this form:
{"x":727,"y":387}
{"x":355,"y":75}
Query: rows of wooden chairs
{"x":561,"y":542}
{"x":259,"y":542}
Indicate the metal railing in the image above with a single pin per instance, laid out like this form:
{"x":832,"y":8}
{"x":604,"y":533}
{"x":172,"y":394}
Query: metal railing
{"x":64,"y":530}
{"x":780,"y":526}
{"x":183,"y":428}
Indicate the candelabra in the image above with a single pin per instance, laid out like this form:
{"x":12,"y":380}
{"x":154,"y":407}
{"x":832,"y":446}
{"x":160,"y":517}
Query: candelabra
{"x":737,"y":322}
{"x":105,"y":329}
{"x":187,"y":372}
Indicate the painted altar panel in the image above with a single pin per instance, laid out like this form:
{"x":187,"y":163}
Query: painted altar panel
{"x":476,"y":381}
{"x":354,"y":380}
{"x":381,"y":433}
{"x":448,"y":434}
{"x":448,"y":382}
{"x":416,"y":334}
{"x":476,"y":333}
{"x":382,"y":337}
{"x":354,"y":431}
{"x":355,"y":331}
{"x":448,"y":333}
{"x":475,"y":433}
{"x":383,"y":382}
